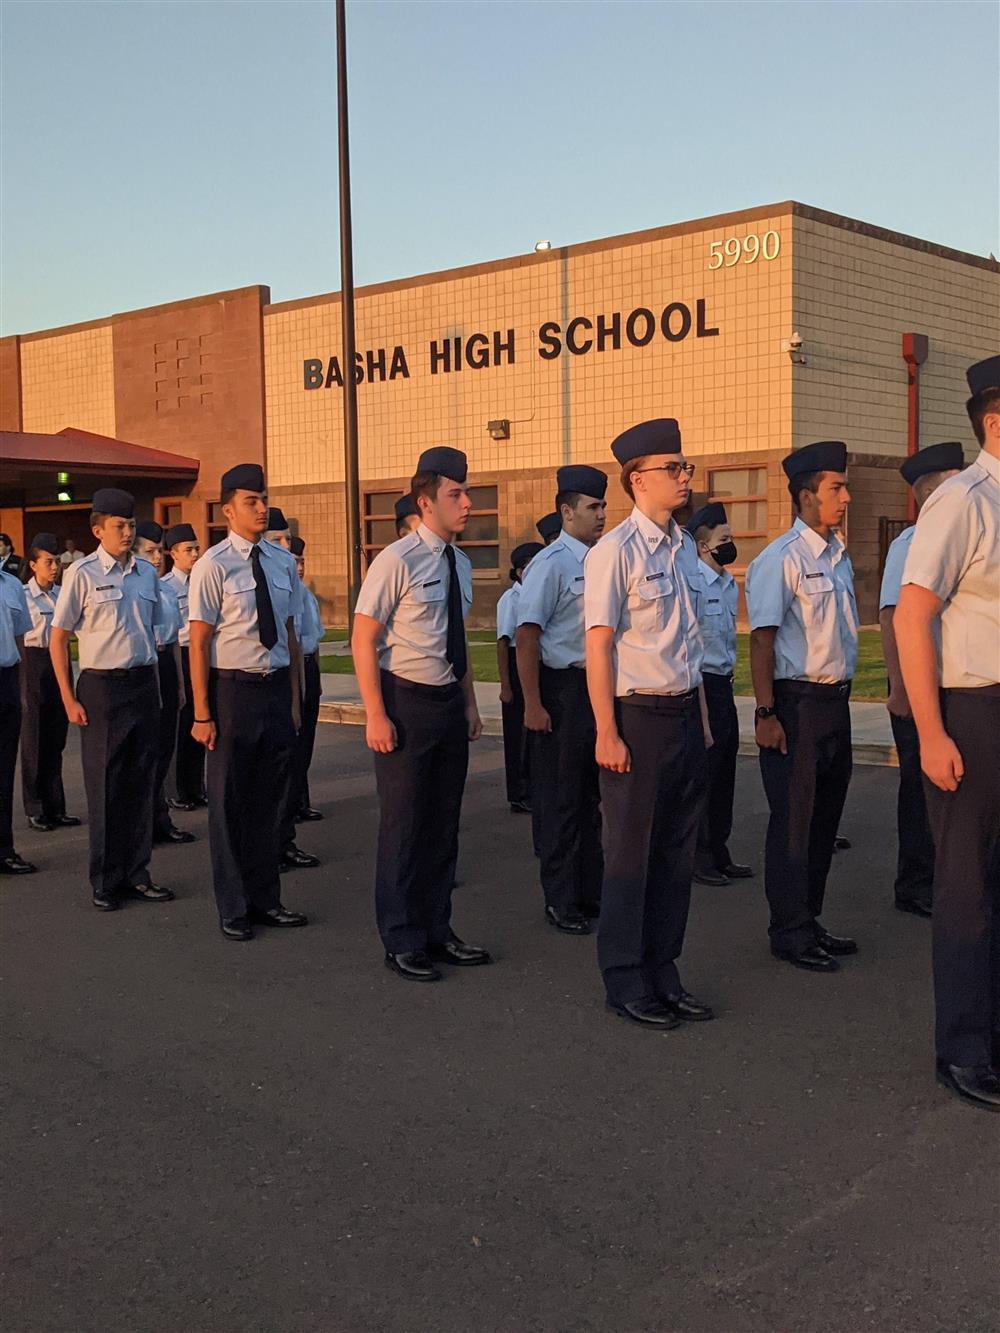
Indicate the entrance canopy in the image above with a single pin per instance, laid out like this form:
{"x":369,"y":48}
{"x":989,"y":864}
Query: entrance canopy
{"x":31,"y":462}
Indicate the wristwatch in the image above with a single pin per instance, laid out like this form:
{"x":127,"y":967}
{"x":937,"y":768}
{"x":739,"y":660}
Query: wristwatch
{"x":764,"y":711}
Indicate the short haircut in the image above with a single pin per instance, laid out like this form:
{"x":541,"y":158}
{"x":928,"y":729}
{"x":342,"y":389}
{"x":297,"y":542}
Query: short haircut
{"x":978,"y":407}
{"x":570,"y":498}
{"x":425,"y":483}
{"x":226,"y":498}
{"x":633,"y":465}
{"x":704,"y":531}
{"x":97,"y":519}
{"x":804,"y":481}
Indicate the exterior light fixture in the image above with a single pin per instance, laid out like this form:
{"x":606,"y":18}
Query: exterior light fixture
{"x":793,"y":346}
{"x":542,"y":245}
{"x":64,"y":496}
{"x":62,"y":478}
{"x":499,"y":430}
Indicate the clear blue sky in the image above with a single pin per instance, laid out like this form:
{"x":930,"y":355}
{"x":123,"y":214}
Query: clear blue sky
{"x":154,"y":151}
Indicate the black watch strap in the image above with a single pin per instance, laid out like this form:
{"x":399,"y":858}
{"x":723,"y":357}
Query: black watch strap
{"x":763,"y":712}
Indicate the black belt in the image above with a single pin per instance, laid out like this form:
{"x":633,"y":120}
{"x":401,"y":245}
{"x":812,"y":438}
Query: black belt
{"x":561,"y":671}
{"x":308,"y":657}
{"x":417,"y":687}
{"x":975,"y":691}
{"x":116,"y":673}
{"x":167,"y":648}
{"x":250,"y":677}
{"x":813,"y":689}
{"x":714,"y":676}
{"x":660,"y":700}
{"x":31,"y":648}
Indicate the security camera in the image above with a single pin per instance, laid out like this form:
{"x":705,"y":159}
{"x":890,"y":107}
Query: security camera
{"x":795,"y":342}
{"x":793,"y":346}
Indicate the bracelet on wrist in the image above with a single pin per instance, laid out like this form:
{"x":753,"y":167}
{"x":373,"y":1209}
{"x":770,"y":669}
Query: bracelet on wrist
{"x":202,"y":720}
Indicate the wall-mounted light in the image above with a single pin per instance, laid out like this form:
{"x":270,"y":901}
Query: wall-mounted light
{"x":793,"y":346}
{"x":62,"y":478}
{"x":542,"y":245}
{"x":64,"y":496}
{"x":499,"y":430}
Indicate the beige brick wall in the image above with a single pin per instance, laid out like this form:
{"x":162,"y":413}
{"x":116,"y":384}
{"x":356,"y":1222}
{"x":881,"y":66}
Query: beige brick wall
{"x":68,"y":379}
{"x":853,"y":296}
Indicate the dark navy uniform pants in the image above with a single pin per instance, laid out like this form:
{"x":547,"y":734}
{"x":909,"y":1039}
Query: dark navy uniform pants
{"x":806,"y":790}
{"x":716,"y":822}
{"x":44,"y":726}
{"x":10,"y":731}
{"x":915,"y":861}
{"x":567,"y":794}
{"x":966,"y":924}
{"x":420,"y":786}
{"x":118,"y":750}
{"x":189,"y":769}
{"x":248,"y":774}
{"x":650,"y":824}
{"x":515,"y":759}
{"x":305,"y":741}
{"x":166,"y":742}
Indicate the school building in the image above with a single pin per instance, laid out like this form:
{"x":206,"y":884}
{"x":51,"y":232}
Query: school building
{"x":759,"y":331}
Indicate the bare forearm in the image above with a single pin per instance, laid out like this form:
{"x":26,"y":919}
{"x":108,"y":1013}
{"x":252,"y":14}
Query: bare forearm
{"x":469,"y":682}
{"x":600,"y":680}
{"x":366,"y":670}
{"x":914,"y":631}
{"x":198,"y":662}
{"x":528,"y":663}
{"x":503,"y":663}
{"x":762,"y":665}
{"x":59,"y":653}
{"x":890,"y":650}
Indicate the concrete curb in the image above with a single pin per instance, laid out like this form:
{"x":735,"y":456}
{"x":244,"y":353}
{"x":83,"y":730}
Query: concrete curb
{"x":865,"y":752}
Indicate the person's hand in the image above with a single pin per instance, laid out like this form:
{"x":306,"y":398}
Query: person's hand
{"x":506,"y":694}
{"x":898,"y":704}
{"x":770,"y":734}
{"x":205,"y":733}
{"x":709,"y":738}
{"x":380,"y":734}
{"x":612,"y":753}
{"x":941,"y":760}
{"x":76,"y":713}
{"x":474,"y":722}
{"x":536,"y":718}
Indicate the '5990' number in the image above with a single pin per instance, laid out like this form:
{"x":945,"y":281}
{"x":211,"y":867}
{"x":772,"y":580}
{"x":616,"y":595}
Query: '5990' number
{"x":747,"y":249}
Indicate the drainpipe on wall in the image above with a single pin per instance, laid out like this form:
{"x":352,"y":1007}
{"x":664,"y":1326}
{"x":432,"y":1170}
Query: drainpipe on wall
{"x":914,"y":354}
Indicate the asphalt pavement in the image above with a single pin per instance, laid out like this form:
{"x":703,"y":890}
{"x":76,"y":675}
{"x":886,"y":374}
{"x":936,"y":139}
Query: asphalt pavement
{"x":283,"y":1137}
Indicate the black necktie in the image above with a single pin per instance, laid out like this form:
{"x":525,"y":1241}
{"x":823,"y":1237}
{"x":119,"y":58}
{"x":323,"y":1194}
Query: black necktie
{"x":455,"y":645}
{"x":266,"y":626}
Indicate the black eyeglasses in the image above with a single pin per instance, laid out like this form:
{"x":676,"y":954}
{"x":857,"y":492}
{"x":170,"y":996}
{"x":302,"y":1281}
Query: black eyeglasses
{"x":673,"y":470}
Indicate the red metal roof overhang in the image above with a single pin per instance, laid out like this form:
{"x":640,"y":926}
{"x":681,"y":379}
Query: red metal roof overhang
{"x":83,"y":452}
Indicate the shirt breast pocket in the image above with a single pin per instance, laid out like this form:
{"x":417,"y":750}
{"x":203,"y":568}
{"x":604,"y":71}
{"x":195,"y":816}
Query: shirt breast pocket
{"x":281,"y":597}
{"x":423,"y":593}
{"x":147,"y":606}
{"x":648,"y":602}
{"x":240,"y":585}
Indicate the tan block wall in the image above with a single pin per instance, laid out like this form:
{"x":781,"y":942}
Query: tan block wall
{"x":853,"y":297}
{"x":729,"y":391}
{"x":68,"y":379}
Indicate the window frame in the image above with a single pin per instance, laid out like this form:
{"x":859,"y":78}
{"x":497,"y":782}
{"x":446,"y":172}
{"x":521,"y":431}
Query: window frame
{"x":727,"y":500}
{"x":371,"y":549}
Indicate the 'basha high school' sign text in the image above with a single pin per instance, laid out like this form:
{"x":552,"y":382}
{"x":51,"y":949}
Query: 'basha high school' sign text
{"x":478,"y":351}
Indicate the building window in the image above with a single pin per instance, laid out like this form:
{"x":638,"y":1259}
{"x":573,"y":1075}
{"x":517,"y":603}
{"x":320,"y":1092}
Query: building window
{"x":481,"y":539}
{"x":743,"y":490}
{"x":168,"y":513}
{"x":379,"y":521}
{"x":217,"y":525}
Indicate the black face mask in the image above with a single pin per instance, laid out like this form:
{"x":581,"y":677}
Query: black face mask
{"x":724,"y":553}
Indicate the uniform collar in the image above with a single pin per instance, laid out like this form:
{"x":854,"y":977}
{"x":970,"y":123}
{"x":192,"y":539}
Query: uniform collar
{"x":709,"y":574}
{"x":179,"y":575}
{"x":817,"y":544}
{"x":431,"y":539}
{"x":653,"y":534}
{"x":106,"y":561}
{"x":989,"y":464}
{"x":243,"y":547}
{"x":36,"y":591}
{"x":576,"y":548}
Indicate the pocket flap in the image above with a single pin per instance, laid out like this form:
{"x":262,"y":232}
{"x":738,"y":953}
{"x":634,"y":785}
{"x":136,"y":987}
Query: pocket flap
{"x":243,"y":581}
{"x":431,"y":591}
{"x":814,"y":583}
{"x":653,"y":586}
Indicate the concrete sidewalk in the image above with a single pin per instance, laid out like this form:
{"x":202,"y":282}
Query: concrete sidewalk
{"x":869,"y":722}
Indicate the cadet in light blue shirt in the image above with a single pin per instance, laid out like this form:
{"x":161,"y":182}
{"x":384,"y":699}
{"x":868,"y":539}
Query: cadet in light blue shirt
{"x":511,"y":695}
{"x":15,"y":623}
{"x":717,"y":598}
{"x":551,"y":659}
{"x":309,"y":632}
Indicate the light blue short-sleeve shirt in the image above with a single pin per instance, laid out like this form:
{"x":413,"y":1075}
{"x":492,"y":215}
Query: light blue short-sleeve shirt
{"x":803,"y":584}
{"x":179,"y":583}
{"x":507,"y":613}
{"x":222,"y":592}
{"x":15,"y":622}
{"x":892,"y":574}
{"x":552,"y":598}
{"x":41,"y":608}
{"x":716,"y":600}
{"x":308,"y":622}
{"x":112,"y":611}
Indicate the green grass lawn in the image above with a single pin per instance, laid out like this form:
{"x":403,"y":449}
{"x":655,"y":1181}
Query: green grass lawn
{"x":869,"y":679}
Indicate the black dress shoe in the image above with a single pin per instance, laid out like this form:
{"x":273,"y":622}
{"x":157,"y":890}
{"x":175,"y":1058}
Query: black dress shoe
{"x":836,"y":944}
{"x":66,"y":821}
{"x":412,"y":966}
{"x":148,"y":893}
{"x":648,"y":1013}
{"x":292,"y":858}
{"x":106,"y":901}
{"x":520,"y":808}
{"x":16,"y":865}
{"x":915,"y":906}
{"x":201,"y":800}
{"x":568,"y":923}
{"x":685,"y":1007}
{"x":735,"y":870}
{"x":308,"y":815}
{"x":591,"y":910}
{"x":841,"y":844}
{"x":458,"y":953}
{"x":176,"y":835}
{"x":978,"y":1085}
{"x":41,"y":823}
{"x":176,"y":803}
{"x":812,"y":958}
{"x":714,"y":878}
{"x":236,"y":928}
{"x":277,"y":916}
